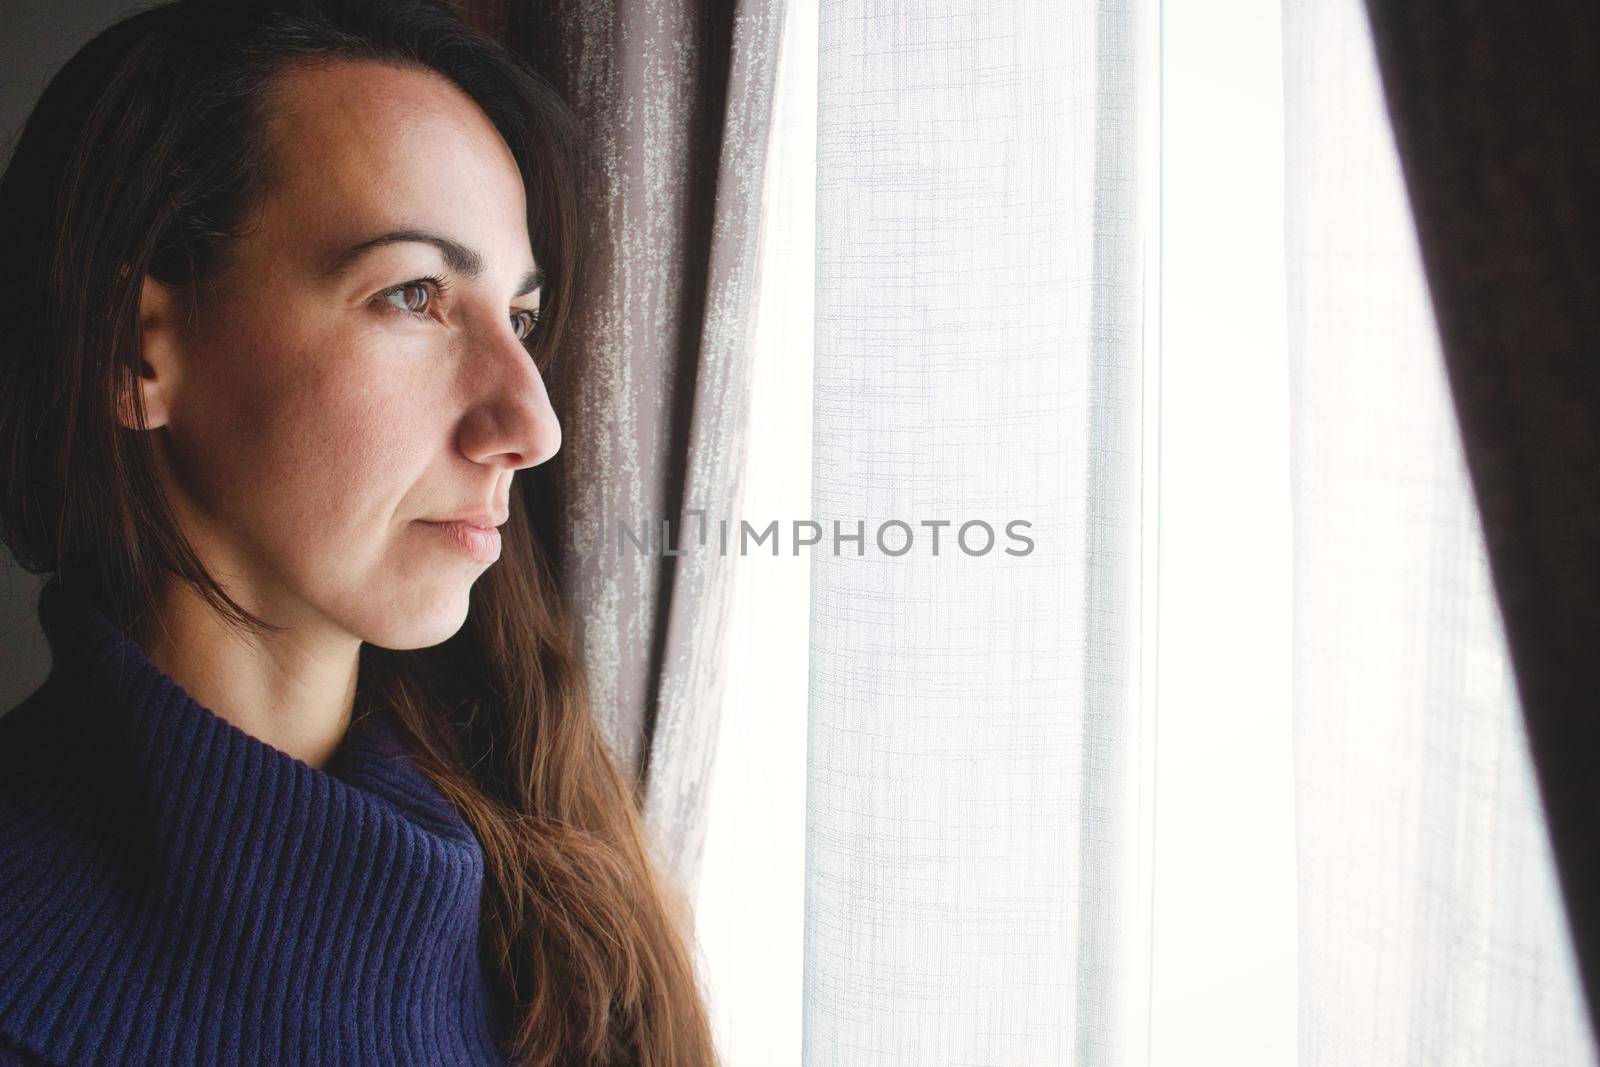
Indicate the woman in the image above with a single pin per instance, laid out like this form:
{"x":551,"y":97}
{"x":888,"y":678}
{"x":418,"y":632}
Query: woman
{"x":313,"y":778}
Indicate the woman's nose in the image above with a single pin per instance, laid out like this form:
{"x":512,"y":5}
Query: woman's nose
{"x":512,"y":419}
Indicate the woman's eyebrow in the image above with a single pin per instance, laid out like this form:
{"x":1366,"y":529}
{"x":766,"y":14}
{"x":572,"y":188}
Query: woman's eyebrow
{"x":457,"y":256}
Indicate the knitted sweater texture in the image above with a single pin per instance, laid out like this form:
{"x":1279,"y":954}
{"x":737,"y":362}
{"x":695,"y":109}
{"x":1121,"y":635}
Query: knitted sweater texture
{"x":174,"y":891}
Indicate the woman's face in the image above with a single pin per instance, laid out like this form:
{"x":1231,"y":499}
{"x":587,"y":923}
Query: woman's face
{"x":325,"y":403}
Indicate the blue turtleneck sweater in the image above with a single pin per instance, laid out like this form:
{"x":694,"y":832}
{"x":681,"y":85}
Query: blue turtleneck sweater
{"x":176,"y":891}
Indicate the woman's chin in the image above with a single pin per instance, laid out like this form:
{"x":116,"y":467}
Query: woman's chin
{"x":428,"y":613}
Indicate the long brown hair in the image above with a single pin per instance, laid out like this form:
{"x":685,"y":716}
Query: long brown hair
{"x":143,"y":156}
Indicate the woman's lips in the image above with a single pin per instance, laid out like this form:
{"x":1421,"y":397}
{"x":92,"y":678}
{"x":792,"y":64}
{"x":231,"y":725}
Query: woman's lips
{"x":482,"y":543}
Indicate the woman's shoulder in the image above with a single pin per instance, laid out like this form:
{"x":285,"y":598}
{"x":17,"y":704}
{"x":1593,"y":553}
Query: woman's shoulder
{"x":35,"y":736}
{"x":47,"y":792}
{"x":34,"y":823}
{"x":24,"y":746}
{"x":16,"y":1056}
{"x":28,"y":722}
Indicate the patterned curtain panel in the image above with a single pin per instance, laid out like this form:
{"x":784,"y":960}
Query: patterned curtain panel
{"x":675,"y":97}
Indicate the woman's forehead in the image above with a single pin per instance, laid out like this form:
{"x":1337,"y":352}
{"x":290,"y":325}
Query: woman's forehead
{"x":359,"y":144}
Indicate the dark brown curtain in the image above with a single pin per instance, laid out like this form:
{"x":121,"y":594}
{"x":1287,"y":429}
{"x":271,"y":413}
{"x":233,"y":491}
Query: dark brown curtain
{"x":1494,"y":111}
{"x":676,"y":97}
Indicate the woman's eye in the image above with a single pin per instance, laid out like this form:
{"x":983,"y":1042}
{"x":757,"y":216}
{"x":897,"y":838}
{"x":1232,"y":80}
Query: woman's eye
{"x":524,"y":321}
{"x":416,"y":297}
{"x":413,"y":296}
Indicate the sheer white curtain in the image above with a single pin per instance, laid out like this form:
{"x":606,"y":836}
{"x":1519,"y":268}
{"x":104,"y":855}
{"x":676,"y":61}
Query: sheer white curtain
{"x":1338,"y":857}
{"x":973,"y":884}
{"x":1431,"y":928}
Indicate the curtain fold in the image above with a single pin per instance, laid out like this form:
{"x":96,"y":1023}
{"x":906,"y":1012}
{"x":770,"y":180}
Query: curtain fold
{"x":972,"y":814}
{"x":1494,"y":114}
{"x":675,"y":98}
{"x":1431,"y":926}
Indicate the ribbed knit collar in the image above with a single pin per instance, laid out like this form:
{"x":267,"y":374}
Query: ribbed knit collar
{"x":176,"y":891}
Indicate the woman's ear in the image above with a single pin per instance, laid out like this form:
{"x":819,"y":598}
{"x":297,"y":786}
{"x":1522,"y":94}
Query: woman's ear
{"x":160,"y":355}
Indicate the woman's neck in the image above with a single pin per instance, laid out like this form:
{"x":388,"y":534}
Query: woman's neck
{"x":293,"y":690}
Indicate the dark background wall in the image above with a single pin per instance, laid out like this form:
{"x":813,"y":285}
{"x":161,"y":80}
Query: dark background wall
{"x":36,"y":38}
